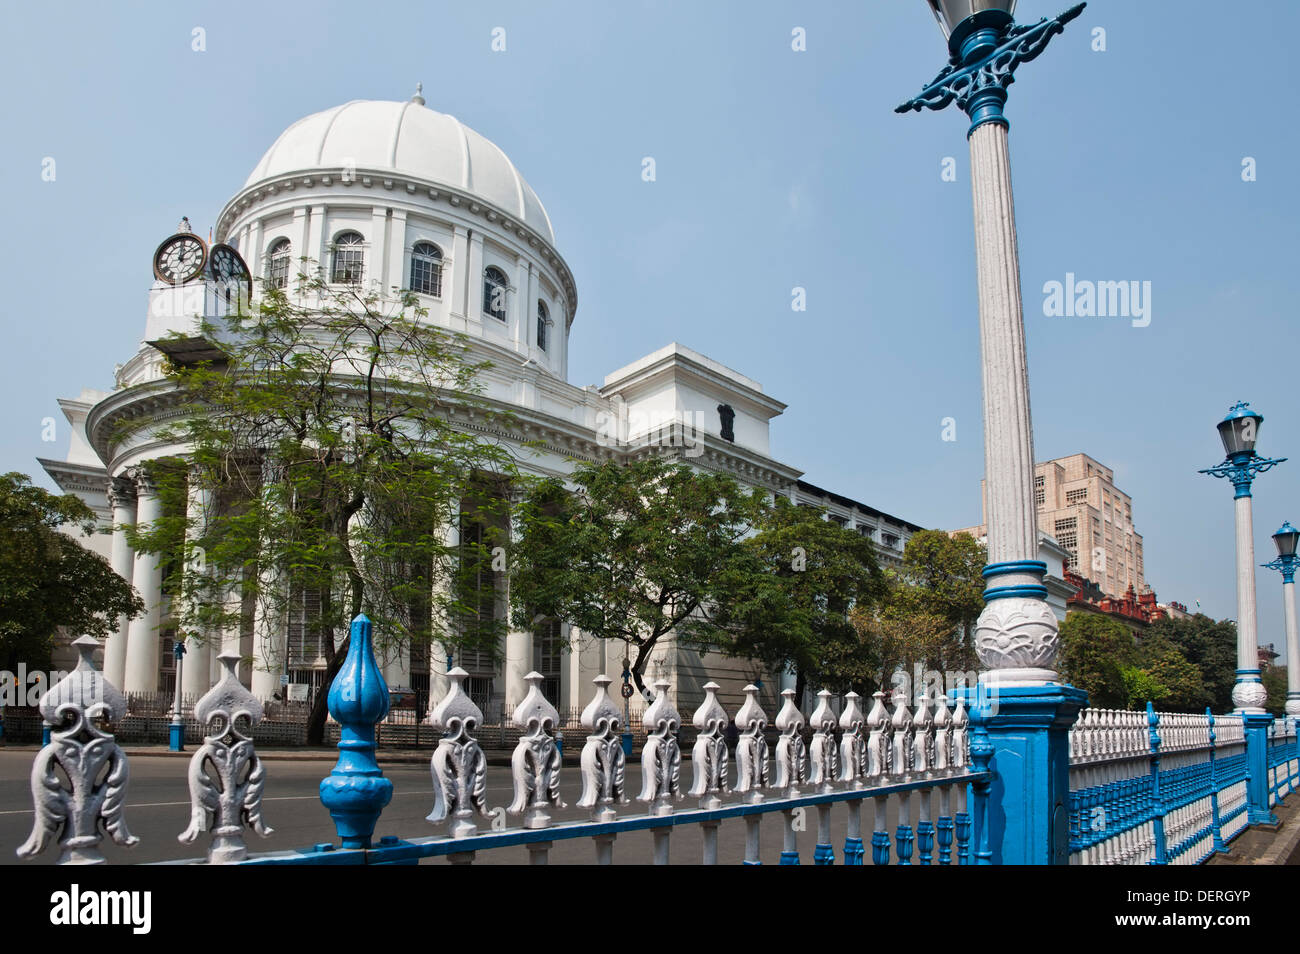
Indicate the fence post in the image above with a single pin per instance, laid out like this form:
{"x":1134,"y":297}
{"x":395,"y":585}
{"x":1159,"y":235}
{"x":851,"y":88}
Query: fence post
{"x":1157,"y":802}
{"x":356,"y":791}
{"x":1026,"y":818}
{"x":1257,"y":725}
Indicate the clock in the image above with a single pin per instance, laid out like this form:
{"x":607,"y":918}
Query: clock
{"x":228,"y":267}
{"x":180,"y":259}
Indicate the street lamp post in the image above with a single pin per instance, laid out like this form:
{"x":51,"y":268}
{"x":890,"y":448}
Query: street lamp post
{"x":1239,"y":430}
{"x":176,"y":731}
{"x":1029,"y":713}
{"x":1287,"y":562}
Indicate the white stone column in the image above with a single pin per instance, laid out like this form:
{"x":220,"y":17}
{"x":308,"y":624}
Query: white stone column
{"x":519,"y":646}
{"x":252,"y":250}
{"x":377,"y":254}
{"x":523,"y":310}
{"x":121,"y":496}
{"x":474,"y":278}
{"x":438,"y":682}
{"x":317,"y":241}
{"x":146,"y":574}
{"x":1016,"y":636}
{"x":454,"y":274}
{"x":196,"y":674}
{"x":397,"y":269}
{"x":1249,"y":694}
{"x":268,"y":620}
{"x":1292,"y":647}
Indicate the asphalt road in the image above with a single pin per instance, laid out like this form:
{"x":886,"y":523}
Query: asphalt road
{"x":158,"y":810}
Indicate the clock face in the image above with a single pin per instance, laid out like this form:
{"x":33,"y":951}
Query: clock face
{"x":180,"y":259}
{"x":228,"y":267}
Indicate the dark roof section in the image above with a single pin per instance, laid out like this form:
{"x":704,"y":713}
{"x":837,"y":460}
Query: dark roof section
{"x":852,"y":504}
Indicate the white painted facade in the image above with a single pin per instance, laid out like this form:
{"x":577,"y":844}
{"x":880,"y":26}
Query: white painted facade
{"x":399,"y":174}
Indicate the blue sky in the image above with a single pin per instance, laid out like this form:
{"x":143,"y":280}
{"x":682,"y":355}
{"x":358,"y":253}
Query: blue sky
{"x":775,"y":169}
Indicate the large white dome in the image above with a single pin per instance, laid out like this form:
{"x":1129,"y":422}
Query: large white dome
{"x":410,"y":139}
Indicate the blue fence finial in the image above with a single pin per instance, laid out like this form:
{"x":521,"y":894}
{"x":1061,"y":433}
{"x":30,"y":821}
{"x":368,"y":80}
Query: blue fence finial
{"x":356,"y":791}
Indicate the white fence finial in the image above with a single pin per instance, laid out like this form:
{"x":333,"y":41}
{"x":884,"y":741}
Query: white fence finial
{"x":824,"y":755}
{"x":853,"y":747}
{"x":661,"y":759}
{"x":709,"y":756}
{"x":602,"y":755}
{"x":535,"y":764}
{"x":84,"y":753}
{"x":901,"y":724}
{"x":235,"y":800}
{"x":791,"y":753}
{"x":878,"y":741}
{"x":458,"y":765}
{"x":751,"y":750}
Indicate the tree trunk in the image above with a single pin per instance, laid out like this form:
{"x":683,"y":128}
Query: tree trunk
{"x":320,"y":705}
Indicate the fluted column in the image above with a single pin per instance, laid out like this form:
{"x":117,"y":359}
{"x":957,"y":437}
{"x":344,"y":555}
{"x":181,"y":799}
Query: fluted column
{"x":519,"y":651}
{"x":146,"y":575}
{"x":196,"y":674}
{"x":268,"y":621}
{"x":438,"y":683}
{"x":1248,"y":694}
{"x":1016,"y":636}
{"x":121,"y":497}
{"x":1292,"y":646}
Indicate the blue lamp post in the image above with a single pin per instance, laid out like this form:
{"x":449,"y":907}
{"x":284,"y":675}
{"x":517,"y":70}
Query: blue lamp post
{"x":1239,"y":430}
{"x":176,"y":731}
{"x":1020,"y":708}
{"x":1285,"y":540}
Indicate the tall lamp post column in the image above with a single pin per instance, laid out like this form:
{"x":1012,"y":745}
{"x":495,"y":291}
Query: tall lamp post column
{"x":1239,"y":431}
{"x":1287,"y":562}
{"x":1020,"y":702}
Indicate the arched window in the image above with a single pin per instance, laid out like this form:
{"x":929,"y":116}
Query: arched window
{"x":349,"y":259}
{"x":494,"y":292}
{"x":277,"y":263}
{"x":426,"y":269}
{"x":543,"y":320}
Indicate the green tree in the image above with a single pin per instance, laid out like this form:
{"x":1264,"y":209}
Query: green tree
{"x":945,"y":577}
{"x":634,"y":552}
{"x":1274,"y":679}
{"x":47,"y":578}
{"x":326,"y":432}
{"x":788,"y":604}
{"x":1094,"y":651}
{"x":1208,"y":645}
{"x":1169,"y":668}
{"x":904,"y":632}
{"x":1142,"y":688}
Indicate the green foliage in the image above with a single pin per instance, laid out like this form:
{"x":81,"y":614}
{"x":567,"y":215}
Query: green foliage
{"x":632,"y":553}
{"x":47,"y":578}
{"x":1166,"y":665}
{"x":1094,"y":652}
{"x":1208,"y":645}
{"x":788,"y":602}
{"x":1274,"y":680}
{"x":943,"y":576}
{"x":1142,"y":687}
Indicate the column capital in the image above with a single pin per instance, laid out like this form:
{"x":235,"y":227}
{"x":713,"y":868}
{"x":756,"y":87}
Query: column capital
{"x":145,"y":485}
{"x":121,"y":492}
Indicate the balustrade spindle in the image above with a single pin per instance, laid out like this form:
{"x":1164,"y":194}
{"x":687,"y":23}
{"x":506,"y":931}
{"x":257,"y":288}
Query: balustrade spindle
{"x":535,"y":764}
{"x":458,"y":765}
{"x":877,"y":767}
{"x":901,"y":722}
{"x":824,"y":756}
{"x":922,"y":744}
{"x":76,"y":708}
{"x":942,"y":761}
{"x":661,"y":764}
{"x":602,"y":764}
{"x":791,"y":768}
{"x":853,"y":770}
{"x":709,"y":765}
{"x":961,"y":759}
{"x":234,"y":799}
{"x":751,"y":766}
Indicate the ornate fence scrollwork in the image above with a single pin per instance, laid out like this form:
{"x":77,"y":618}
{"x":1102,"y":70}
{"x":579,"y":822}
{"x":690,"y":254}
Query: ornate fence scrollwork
{"x":535,"y":763}
{"x":85,"y":753}
{"x":458,"y":765}
{"x":233,"y":799}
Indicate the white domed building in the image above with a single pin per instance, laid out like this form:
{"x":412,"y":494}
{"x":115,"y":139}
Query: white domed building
{"x":397,"y":195}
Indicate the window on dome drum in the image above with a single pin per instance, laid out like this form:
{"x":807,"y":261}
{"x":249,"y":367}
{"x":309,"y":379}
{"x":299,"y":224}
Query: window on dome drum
{"x":542,"y":321}
{"x":349,"y":259}
{"x":494,"y":292}
{"x":426,"y":269}
{"x":277,"y":263}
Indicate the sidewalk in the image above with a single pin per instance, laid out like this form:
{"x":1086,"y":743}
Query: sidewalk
{"x":1268,"y":846}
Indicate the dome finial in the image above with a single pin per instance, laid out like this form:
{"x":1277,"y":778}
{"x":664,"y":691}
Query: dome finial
{"x":418,"y":99}
{"x":185,"y":224}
